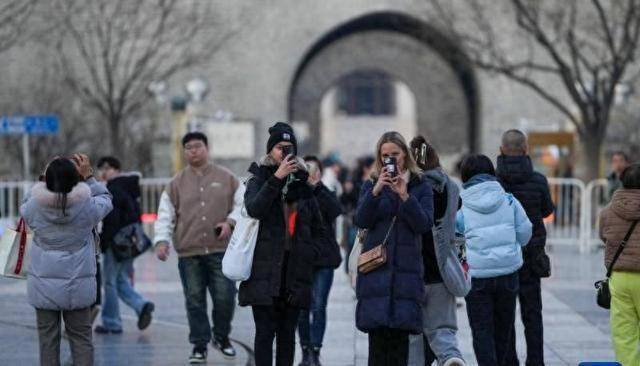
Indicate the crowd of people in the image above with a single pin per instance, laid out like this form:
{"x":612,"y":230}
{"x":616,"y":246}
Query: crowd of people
{"x":423,"y":241}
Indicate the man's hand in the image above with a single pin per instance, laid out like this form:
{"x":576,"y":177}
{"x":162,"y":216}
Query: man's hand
{"x":162,"y":251}
{"x":225,"y":230}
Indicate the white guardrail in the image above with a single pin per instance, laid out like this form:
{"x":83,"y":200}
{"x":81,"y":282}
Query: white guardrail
{"x":574,"y":222}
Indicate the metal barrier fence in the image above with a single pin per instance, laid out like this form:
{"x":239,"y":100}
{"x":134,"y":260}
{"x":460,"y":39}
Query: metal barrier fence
{"x":574,"y":222}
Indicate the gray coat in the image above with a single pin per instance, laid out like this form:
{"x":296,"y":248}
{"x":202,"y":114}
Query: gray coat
{"x":455,"y":278}
{"x":63,"y":262}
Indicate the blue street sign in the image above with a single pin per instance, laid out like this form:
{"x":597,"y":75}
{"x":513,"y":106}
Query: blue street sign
{"x":31,"y":125}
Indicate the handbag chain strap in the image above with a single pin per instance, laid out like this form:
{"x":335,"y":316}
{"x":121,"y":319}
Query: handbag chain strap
{"x":393,"y":221}
{"x":621,"y":248}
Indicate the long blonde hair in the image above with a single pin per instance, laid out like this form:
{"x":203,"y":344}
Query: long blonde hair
{"x":397,"y":139}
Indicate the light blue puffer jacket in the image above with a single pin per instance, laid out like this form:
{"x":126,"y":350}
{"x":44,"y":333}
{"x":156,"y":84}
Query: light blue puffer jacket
{"x":62,"y":269}
{"x":496,"y":228}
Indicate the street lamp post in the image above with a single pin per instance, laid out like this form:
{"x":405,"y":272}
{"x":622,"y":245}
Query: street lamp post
{"x":184,"y":110}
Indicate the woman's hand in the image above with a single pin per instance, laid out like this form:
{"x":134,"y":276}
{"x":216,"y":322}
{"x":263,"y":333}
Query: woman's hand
{"x":83,"y":165}
{"x":383,"y":180}
{"x":287,"y":167}
{"x":400,"y":187}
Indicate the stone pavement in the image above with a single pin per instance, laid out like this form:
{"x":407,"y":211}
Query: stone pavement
{"x":575,"y":328}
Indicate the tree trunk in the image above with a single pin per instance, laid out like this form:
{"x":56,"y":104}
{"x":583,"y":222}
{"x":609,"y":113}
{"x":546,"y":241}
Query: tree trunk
{"x":591,"y":157}
{"x":115,"y":144}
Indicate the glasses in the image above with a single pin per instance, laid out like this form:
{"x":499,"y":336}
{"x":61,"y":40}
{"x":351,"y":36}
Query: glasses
{"x":196,"y":146}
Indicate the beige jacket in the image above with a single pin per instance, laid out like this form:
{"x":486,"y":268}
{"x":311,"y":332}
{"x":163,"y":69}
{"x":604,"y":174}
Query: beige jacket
{"x":615,"y":221}
{"x":191,"y":206}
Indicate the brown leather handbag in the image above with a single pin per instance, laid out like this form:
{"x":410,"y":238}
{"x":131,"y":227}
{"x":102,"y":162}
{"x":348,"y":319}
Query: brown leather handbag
{"x":376,"y":256}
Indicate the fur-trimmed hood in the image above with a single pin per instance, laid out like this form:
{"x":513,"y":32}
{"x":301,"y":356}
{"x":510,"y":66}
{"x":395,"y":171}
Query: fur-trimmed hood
{"x":49,"y":201}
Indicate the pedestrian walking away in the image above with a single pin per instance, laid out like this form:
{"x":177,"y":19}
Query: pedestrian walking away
{"x":63,"y":211}
{"x":125,"y":189}
{"x":516,"y":175}
{"x":313,"y":322}
{"x":617,"y":220}
{"x":195,"y":217}
{"x":440,"y":259}
{"x":496,"y":228}
{"x":396,"y":208}
{"x":279,"y":195}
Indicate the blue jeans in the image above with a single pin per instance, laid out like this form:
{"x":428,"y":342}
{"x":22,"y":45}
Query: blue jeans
{"x":491,"y":307}
{"x":311,"y":331}
{"x":117,"y":284}
{"x":199,"y":273}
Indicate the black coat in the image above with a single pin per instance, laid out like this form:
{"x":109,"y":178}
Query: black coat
{"x":330,"y":209}
{"x":516,"y":175}
{"x":126,"y":207}
{"x":391,"y":296}
{"x":263,"y":201}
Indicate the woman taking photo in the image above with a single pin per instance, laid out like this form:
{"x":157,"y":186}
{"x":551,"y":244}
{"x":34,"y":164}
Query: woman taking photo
{"x":279,"y":195}
{"x":617,"y":222}
{"x":62,"y":212}
{"x":396,"y":208}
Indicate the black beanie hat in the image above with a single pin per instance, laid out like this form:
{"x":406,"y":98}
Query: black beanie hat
{"x":281,"y":132}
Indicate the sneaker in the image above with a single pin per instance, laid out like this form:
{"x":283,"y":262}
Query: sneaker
{"x":454,"y":361}
{"x":198,"y":356}
{"x":104,"y":330}
{"x":145,"y":316}
{"x":225,"y":347}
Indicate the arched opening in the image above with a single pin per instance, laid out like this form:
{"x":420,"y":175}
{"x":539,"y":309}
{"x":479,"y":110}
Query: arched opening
{"x":361,"y":107}
{"x":386,"y":48}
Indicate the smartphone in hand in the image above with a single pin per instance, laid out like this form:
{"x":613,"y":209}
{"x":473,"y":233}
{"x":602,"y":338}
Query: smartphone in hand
{"x":392,"y":167}
{"x":287,"y":150}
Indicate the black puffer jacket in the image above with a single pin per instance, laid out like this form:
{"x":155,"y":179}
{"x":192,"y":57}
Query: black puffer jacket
{"x":263,"y":200}
{"x":125,"y":189}
{"x":517,"y":176}
{"x":330,"y":209}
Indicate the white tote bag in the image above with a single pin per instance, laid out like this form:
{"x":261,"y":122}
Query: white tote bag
{"x":237,"y":260}
{"x":352,"y":265}
{"x":15,"y":246}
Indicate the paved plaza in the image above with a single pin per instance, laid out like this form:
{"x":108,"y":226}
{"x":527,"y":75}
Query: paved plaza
{"x":575,"y":328}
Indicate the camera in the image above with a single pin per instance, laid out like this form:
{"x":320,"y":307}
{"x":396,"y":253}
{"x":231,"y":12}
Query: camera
{"x":391,"y":164}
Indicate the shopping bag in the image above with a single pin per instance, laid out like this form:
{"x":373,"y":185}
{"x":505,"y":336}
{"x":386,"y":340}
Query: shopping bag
{"x":237,"y":260}
{"x":15,"y":246}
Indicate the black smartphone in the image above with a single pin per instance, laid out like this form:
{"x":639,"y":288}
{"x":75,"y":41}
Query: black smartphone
{"x":287,"y":150}
{"x":391,"y":164}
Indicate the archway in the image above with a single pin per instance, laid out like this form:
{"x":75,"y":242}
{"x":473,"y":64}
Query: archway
{"x":410,"y":51}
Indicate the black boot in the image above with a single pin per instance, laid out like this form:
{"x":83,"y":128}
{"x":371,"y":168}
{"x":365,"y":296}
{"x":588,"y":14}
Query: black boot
{"x":306,"y":356}
{"x":315,"y":357}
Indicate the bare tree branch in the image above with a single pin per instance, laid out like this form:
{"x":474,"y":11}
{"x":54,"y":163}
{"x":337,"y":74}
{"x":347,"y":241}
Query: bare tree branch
{"x":13,"y":19}
{"x":111,"y":50}
{"x":587,"y":46}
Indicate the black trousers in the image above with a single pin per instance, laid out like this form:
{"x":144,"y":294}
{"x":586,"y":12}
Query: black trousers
{"x":530,"y":297}
{"x":388,"y":347}
{"x":279,"y":322}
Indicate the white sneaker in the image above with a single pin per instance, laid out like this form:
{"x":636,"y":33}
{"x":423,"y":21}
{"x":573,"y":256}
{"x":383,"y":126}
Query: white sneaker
{"x":454,"y":361}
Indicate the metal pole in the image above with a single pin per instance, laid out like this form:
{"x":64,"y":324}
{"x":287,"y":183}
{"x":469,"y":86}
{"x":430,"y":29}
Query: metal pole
{"x":26,"y":157}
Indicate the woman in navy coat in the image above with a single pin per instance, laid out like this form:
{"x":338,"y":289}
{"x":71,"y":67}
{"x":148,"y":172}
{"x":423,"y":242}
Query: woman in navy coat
{"x":390,"y":297}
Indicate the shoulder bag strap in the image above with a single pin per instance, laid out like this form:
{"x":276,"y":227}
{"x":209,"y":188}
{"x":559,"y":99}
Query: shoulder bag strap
{"x":621,"y":248}
{"x":393,"y":221}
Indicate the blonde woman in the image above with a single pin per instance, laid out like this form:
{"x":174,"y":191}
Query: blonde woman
{"x":396,"y":208}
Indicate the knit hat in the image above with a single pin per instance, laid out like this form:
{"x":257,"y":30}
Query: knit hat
{"x":281,"y":132}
